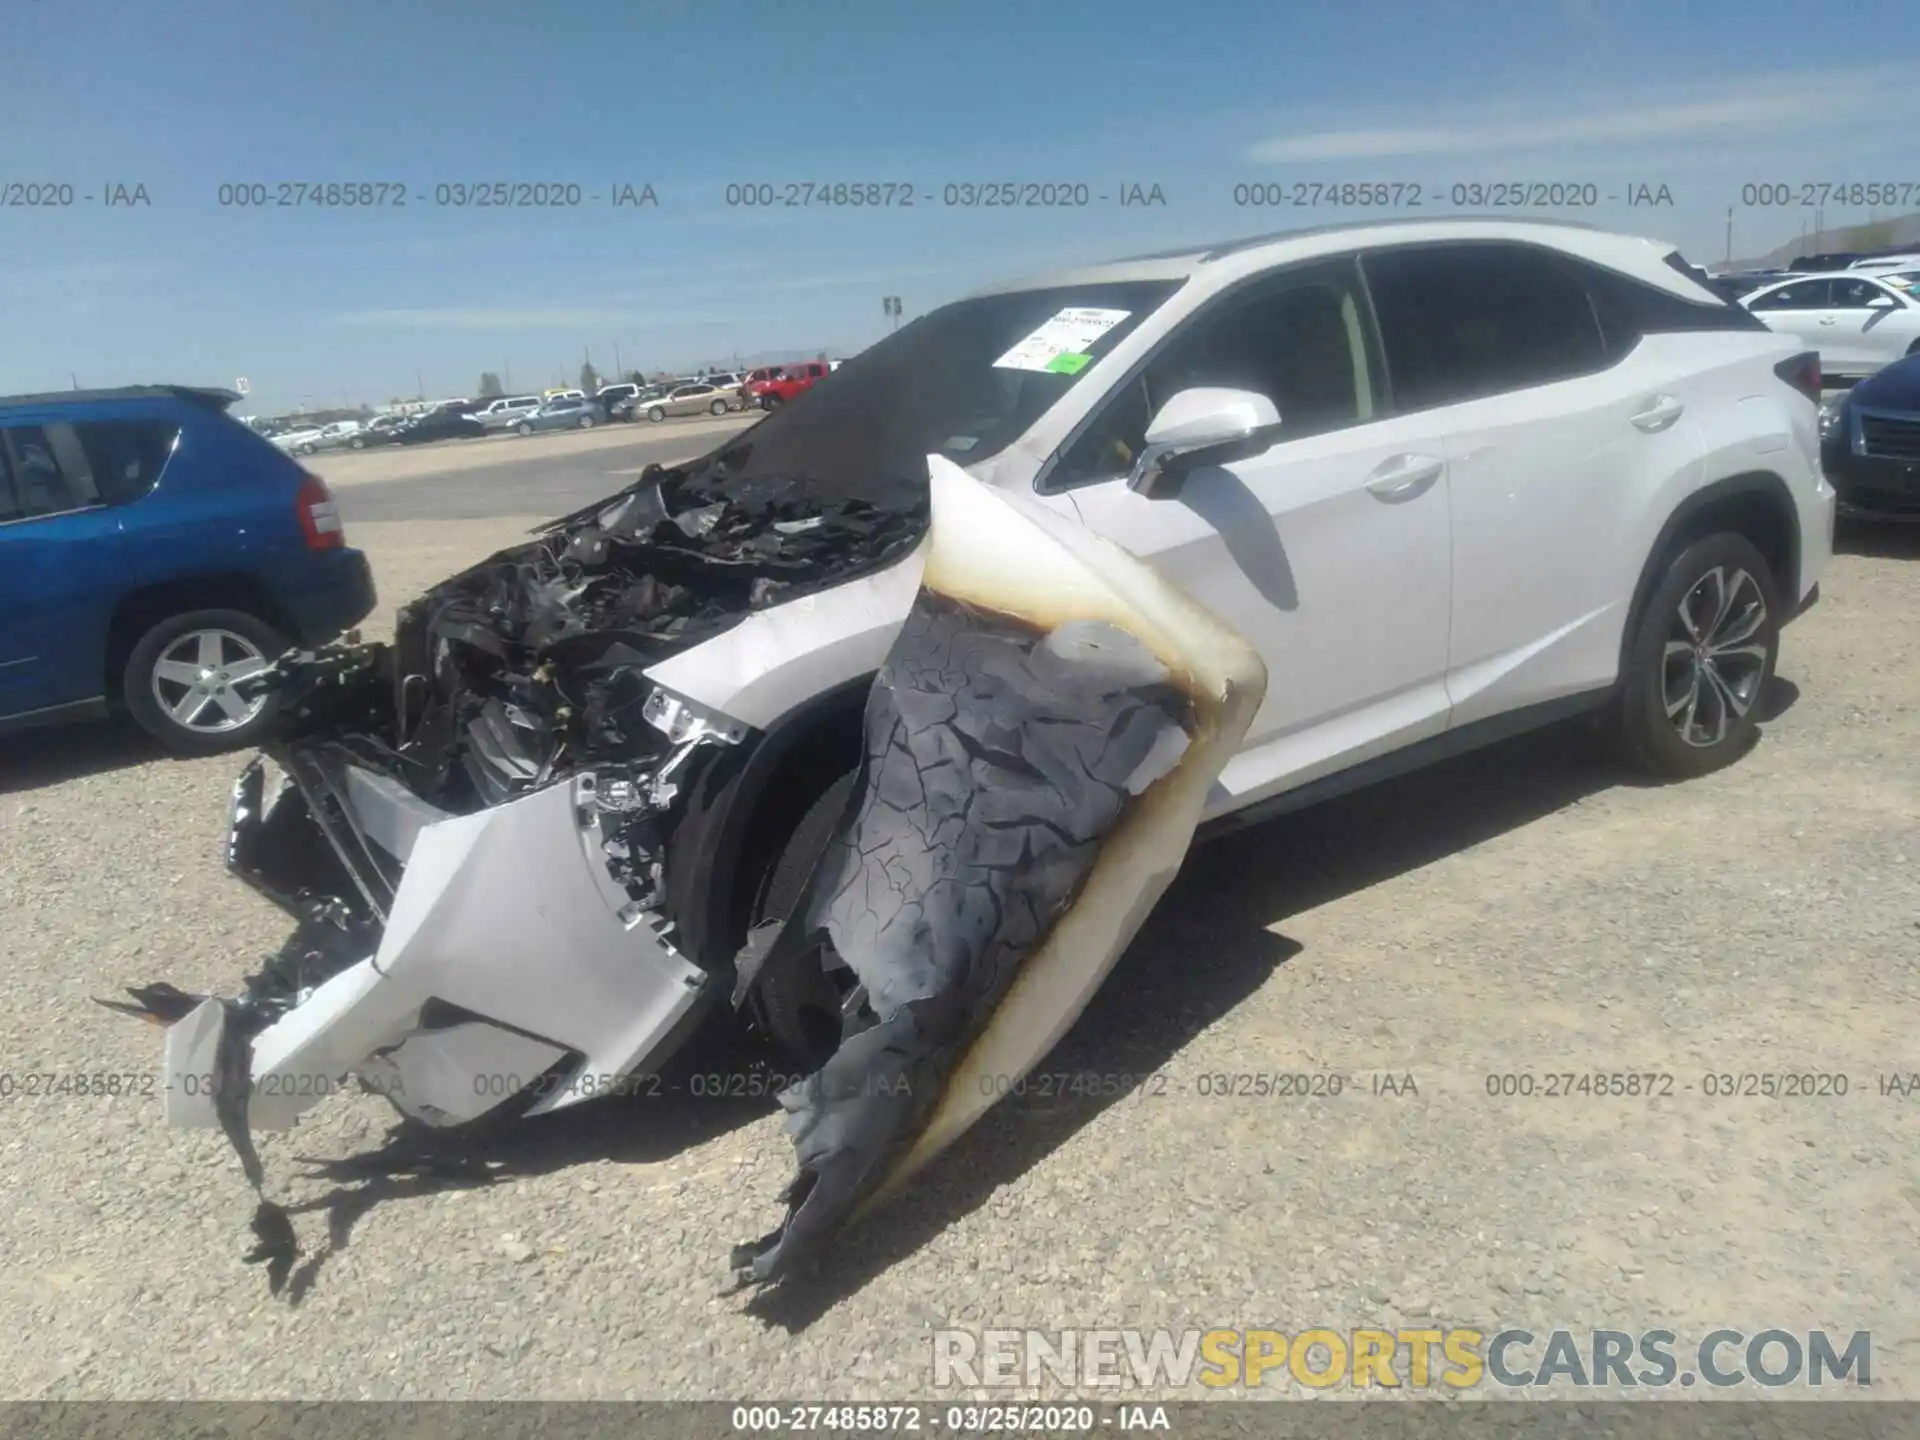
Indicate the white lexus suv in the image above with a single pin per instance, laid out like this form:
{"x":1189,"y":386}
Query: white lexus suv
{"x":1451,"y":477}
{"x":1441,"y":480}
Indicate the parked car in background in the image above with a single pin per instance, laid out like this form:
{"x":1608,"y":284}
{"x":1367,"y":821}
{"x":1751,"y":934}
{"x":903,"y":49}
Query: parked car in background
{"x":500,"y":414}
{"x":381,"y":430}
{"x":567,"y":412}
{"x":1856,"y":321}
{"x":609,"y":396}
{"x":698,"y":398}
{"x":152,"y":552}
{"x":1870,"y":444}
{"x":789,"y":385}
{"x":1828,"y":260}
{"x":335,"y":436}
{"x":1877,"y":263}
{"x":634,"y":407}
{"x":301,"y":440}
{"x":562,"y":394}
{"x":452,"y":421}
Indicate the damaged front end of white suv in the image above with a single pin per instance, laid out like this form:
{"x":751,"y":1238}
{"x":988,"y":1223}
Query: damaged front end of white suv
{"x":473,"y":825}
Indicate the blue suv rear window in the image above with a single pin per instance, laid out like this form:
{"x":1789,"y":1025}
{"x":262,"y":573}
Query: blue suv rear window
{"x":48,"y":469}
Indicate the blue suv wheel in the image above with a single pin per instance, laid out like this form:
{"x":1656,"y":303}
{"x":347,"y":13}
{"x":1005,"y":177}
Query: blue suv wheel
{"x":182,"y":681}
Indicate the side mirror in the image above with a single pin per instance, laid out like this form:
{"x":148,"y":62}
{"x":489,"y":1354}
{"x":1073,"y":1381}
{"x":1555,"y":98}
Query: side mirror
{"x":1883,"y":301}
{"x":1204,"y":426}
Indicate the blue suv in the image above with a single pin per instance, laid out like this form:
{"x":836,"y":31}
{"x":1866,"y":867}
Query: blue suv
{"x":153,"y":551}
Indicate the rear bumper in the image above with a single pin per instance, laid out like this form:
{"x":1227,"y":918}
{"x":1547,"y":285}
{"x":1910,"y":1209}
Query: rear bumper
{"x":332,"y":591}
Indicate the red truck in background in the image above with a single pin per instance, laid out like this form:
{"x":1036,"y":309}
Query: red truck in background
{"x":776,"y":385}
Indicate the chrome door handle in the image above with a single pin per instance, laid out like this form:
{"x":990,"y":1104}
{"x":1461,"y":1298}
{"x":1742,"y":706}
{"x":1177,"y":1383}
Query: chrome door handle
{"x":1659,"y":412}
{"x":1829,"y":320}
{"x":1404,"y":476}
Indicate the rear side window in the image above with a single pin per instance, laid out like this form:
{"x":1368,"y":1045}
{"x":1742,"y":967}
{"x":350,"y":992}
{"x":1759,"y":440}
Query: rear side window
{"x":126,"y":456}
{"x":1629,"y":309}
{"x":48,"y":470}
{"x":1463,"y":321}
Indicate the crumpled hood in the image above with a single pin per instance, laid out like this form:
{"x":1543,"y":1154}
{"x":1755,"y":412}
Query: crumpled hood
{"x":532,"y":662}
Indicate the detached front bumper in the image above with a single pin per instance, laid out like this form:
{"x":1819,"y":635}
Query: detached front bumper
{"x":509,"y":965}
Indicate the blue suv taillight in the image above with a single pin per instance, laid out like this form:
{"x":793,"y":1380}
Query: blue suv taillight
{"x":319,"y":515}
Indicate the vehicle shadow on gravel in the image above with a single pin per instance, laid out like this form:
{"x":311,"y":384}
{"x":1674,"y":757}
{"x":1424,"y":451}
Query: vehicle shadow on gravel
{"x":1877,"y":542}
{"x":36,"y":759}
{"x":415,"y":1162}
{"x":1206,"y":948}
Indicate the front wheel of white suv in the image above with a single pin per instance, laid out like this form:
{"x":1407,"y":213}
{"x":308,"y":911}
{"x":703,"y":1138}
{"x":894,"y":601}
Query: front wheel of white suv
{"x":1700,"y":659}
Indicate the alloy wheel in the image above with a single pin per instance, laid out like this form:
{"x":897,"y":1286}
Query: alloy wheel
{"x":1713,"y":664}
{"x":193,"y":681}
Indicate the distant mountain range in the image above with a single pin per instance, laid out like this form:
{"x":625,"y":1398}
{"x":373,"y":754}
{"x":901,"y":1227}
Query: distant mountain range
{"x":1874,"y":235}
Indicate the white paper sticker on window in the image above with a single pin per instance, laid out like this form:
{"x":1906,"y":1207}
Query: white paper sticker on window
{"x":1060,"y":346}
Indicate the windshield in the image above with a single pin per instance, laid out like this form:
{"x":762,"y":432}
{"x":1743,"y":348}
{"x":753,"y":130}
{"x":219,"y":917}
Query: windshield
{"x":964,"y":381}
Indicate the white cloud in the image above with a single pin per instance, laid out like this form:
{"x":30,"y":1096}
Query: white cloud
{"x":1750,"y":108}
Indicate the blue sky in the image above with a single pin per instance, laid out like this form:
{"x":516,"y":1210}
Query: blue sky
{"x":322,"y":306}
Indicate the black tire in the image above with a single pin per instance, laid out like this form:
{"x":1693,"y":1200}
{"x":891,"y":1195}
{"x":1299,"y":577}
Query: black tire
{"x":306,"y":449}
{"x":137,"y":682}
{"x":656,"y":415}
{"x":799,"y":1005}
{"x":1719,"y":718}
{"x":718,"y":407}
{"x":586,"y":422}
{"x":356,"y":443}
{"x":523,"y":428}
{"x":769,"y":402}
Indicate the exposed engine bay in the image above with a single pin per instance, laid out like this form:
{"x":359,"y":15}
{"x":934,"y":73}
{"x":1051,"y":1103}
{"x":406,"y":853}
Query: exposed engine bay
{"x":473,"y":823}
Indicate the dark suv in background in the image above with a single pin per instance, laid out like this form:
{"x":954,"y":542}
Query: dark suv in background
{"x":153,"y":550}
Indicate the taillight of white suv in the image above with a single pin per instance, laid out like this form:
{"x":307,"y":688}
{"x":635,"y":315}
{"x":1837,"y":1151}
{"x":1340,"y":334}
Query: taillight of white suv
{"x":1802,"y":372}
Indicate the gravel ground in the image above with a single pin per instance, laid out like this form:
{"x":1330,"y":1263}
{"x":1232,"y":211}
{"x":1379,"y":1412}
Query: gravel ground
{"x":1522,"y":910}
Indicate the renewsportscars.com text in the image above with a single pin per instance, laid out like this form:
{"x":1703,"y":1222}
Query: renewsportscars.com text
{"x":1455,"y":1358}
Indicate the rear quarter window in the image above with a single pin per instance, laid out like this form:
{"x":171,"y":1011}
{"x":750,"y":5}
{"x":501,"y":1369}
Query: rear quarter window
{"x":127,"y":456}
{"x":1629,"y":309}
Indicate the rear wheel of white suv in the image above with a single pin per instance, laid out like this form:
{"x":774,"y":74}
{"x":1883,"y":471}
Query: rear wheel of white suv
{"x":1701,"y":657}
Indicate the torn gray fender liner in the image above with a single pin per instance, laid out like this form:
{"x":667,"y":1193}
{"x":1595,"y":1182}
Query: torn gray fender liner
{"x":1040,"y":743}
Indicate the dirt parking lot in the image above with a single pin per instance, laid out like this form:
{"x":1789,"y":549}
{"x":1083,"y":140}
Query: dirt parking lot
{"x":1522,"y":911}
